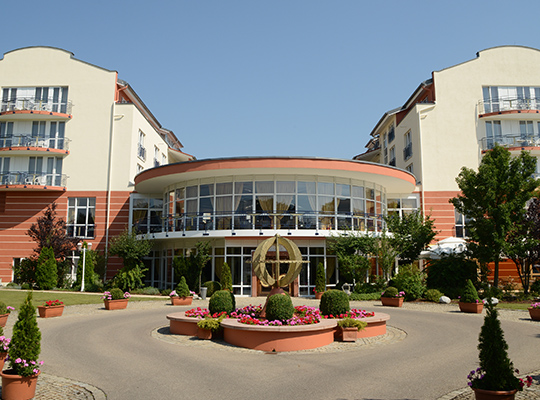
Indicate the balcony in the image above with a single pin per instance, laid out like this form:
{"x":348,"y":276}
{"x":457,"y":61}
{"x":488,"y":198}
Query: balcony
{"x":24,"y":179}
{"x":407,"y":152}
{"x":33,"y":108}
{"x":509,"y":105}
{"x":156,"y":163}
{"x":510,"y":140}
{"x":141,"y":152}
{"x":28,"y":143}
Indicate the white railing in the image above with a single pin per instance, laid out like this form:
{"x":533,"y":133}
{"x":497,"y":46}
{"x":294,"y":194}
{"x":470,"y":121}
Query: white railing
{"x":31,"y":104}
{"x":510,"y":140}
{"x":29,"y":141}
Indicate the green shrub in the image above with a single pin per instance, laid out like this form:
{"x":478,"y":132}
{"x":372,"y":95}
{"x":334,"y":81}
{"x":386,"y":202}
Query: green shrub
{"x":376,"y":285}
{"x":365,"y":296}
{"x":279,"y":307}
{"x":535,"y":287}
{"x":470,"y":295}
{"x":149,"y":290}
{"x":334,"y":302}
{"x":320,"y":279}
{"x":226,"y":278}
{"x":222,"y":300}
{"x":117,"y":293}
{"x":182,"y":289}
{"x":165,"y":292}
{"x":352,"y":323}
{"x":411,"y":281}
{"x":3,"y":308}
{"x":25,"y":272}
{"x":450,"y":274}
{"x":46,"y":270}
{"x":390,"y":291}
{"x":212,"y":324}
{"x":433,"y":295}
{"x":213,"y":286}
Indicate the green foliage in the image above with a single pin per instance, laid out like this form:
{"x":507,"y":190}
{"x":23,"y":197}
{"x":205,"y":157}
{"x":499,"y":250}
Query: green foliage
{"x":433,"y":295}
{"x":90,"y":261}
{"x":493,"y":200}
{"x":211,"y":324}
{"x":450,"y":273}
{"x":182,"y":289}
{"x":117,"y":294}
{"x":222,"y":300}
{"x":535,"y":287}
{"x":390,"y":291}
{"x":149,"y":290}
{"x":46,"y":270}
{"x":364,"y":296}
{"x":470,"y":295}
{"x":25,"y":272}
{"x":279,"y":307}
{"x":129,"y":248}
{"x":411,"y":281}
{"x":191,"y":266}
{"x":226,"y":278}
{"x":386,"y":250}
{"x":128,"y":279}
{"x":494,"y":360}
{"x":213,"y":286}
{"x":352,"y":250}
{"x":63,"y":273}
{"x":334,"y":302}
{"x":320,"y":278}
{"x":26,"y":339}
{"x":3,"y":308}
{"x":411,"y":234}
{"x":376,"y":285}
{"x":352,"y":323}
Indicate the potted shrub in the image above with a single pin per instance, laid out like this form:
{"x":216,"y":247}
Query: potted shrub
{"x":469,"y":302}
{"x":392,"y":297}
{"x":320,"y":281}
{"x":51,"y":308}
{"x":4,"y":313}
{"x":19,"y":381}
{"x":181,"y":296}
{"x":116,"y":299}
{"x":209,"y":328}
{"x":347,"y":330}
{"x":495,"y":378}
{"x":534,"y":311}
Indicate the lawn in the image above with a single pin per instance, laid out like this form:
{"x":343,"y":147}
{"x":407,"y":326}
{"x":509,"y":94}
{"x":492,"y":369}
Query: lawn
{"x":15,"y":298}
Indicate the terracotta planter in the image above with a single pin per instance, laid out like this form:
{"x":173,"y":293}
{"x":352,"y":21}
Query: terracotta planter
{"x":318,"y":295}
{"x":3,"y":356}
{"x":16,"y":387}
{"x":204,"y":334}
{"x":116,"y":304}
{"x":181,"y":301}
{"x":473,"y":308}
{"x":481,"y":394}
{"x":347,"y":334}
{"x":392,"y":301}
{"x":51,"y":311}
{"x":534,"y":313}
{"x":3,"y":319}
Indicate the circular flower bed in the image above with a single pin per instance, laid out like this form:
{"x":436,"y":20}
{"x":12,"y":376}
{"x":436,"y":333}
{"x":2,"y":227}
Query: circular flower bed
{"x":353,"y":313}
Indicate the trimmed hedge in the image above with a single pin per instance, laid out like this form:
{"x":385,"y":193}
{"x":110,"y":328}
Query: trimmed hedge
{"x":279,"y":307}
{"x":222,"y":300}
{"x":334,"y":302}
{"x":213,"y":287}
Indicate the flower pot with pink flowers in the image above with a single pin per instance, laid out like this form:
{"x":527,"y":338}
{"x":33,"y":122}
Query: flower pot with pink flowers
{"x":470,"y":302}
{"x":115,"y":299}
{"x":534,"y":311}
{"x":181,"y":296}
{"x":392,"y":297}
{"x":4,"y":313}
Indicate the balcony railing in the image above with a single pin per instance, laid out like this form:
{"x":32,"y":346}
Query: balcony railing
{"x":392,"y":162}
{"x":29,"y":141}
{"x":507,"y":104}
{"x":510,"y":140}
{"x":31,"y":104}
{"x":29,"y":178}
{"x":260,"y":221}
{"x":156,"y":163}
{"x":407,"y":152}
{"x":141,"y":152}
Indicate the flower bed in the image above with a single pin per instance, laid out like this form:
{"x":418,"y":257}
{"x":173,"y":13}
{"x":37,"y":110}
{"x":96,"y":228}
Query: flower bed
{"x":353,"y":313}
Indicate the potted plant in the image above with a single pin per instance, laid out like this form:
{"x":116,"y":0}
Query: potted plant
{"x":19,"y":381}
{"x":347,"y":330}
{"x":182,"y":295}
{"x":51,"y":308}
{"x":4,"y":347}
{"x":534,"y":311}
{"x":4,"y":313}
{"x":320,"y":281}
{"x":116,"y":299}
{"x":469,"y":302}
{"x":392,"y":297}
{"x":209,"y":328}
{"x":495,"y":378}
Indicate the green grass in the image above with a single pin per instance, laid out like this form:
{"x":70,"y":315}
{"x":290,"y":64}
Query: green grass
{"x":15,"y":298}
{"x":514,"y":306}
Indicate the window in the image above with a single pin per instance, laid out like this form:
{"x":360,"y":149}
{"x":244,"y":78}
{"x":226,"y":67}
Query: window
{"x":407,"y":150}
{"x":385,"y":149}
{"x":493,"y":133}
{"x":461,"y":225}
{"x":36,"y":98}
{"x":502,"y":98}
{"x":392,"y":156}
{"x":391,"y":133}
{"x":147,"y":215}
{"x":5,"y":177}
{"x":81,"y":217}
{"x":139,"y":168}
{"x":141,"y":150}
{"x":410,"y":168}
{"x":403,"y":206}
{"x":156,"y":156}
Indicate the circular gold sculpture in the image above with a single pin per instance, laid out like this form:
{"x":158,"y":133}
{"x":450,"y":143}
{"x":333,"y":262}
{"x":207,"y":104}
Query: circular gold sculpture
{"x":259,"y":262}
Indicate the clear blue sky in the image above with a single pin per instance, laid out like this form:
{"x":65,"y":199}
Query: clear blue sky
{"x":255,"y":78}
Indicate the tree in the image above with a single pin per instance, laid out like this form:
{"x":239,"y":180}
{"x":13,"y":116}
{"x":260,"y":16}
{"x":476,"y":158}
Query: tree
{"x":132,"y":251}
{"x":352,"y":251}
{"x":191,"y":266}
{"x":46,"y":270}
{"x":411,"y":234}
{"x":226,"y":278}
{"x":49,"y":231}
{"x":523,"y":243}
{"x":493,"y":199}
{"x":383,"y":248}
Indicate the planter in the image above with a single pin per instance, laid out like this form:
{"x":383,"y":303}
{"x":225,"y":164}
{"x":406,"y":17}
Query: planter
{"x":3,"y":319}
{"x":204,"y":334}
{"x":3,"y":356}
{"x":181,"y":301}
{"x":51,"y":311}
{"x":473,"y":308}
{"x":347,"y":334}
{"x":392,"y":301}
{"x":534,"y":313}
{"x":318,"y":295}
{"x":16,"y":387}
{"x":119,"y":304}
{"x":481,"y":394}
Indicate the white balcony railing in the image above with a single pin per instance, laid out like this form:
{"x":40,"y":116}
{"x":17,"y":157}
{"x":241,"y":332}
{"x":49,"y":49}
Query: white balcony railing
{"x":32,"y":178}
{"x":507,"y":104}
{"x":510,"y":140}
{"x":29,"y":141}
{"x":31,"y":104}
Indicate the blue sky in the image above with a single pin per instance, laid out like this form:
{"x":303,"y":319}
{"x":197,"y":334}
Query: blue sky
{"x":264,"y":78}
